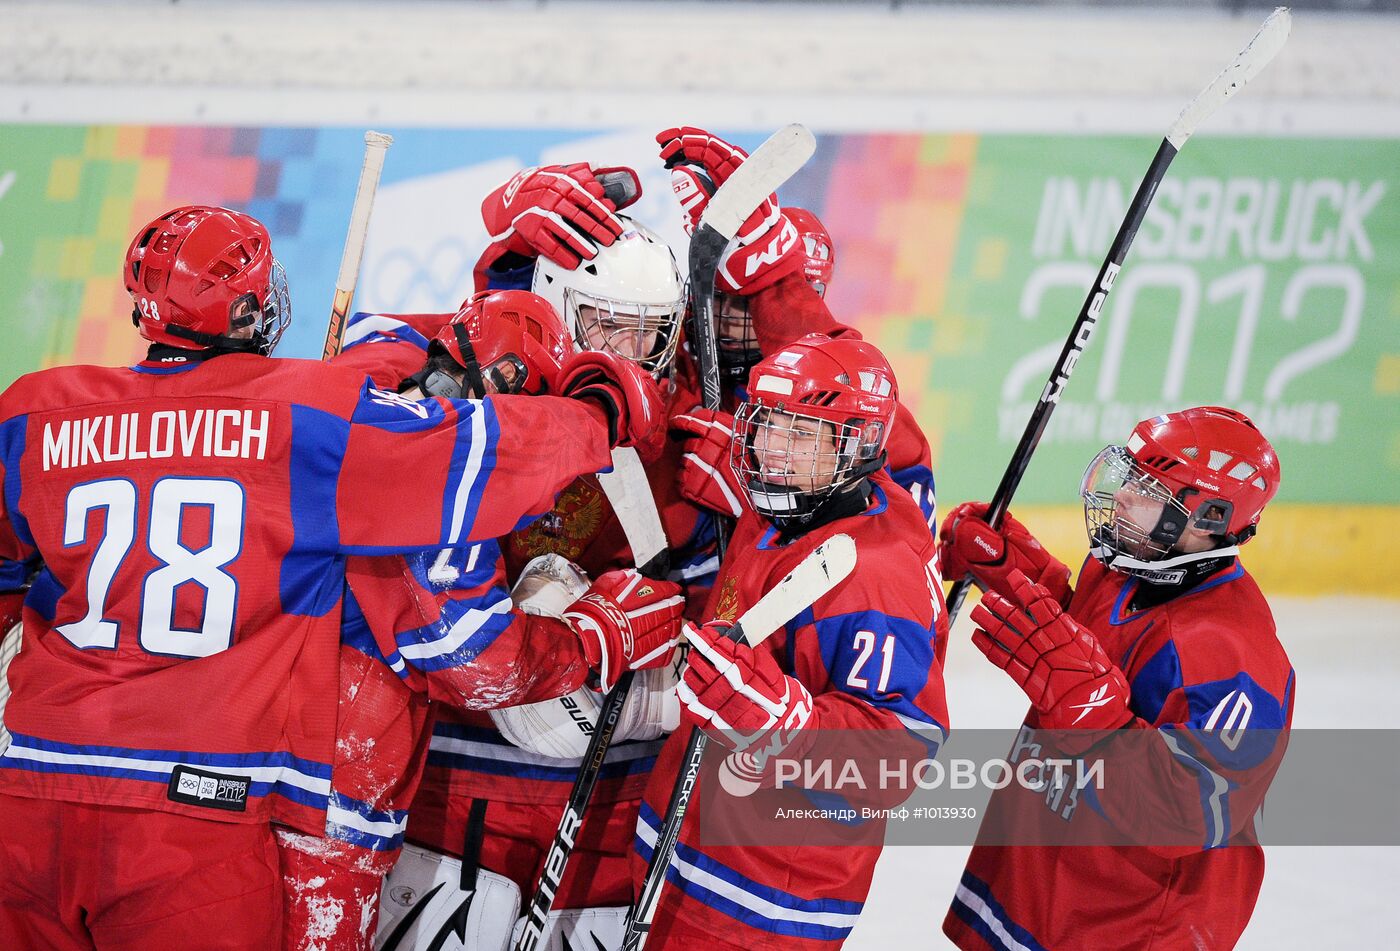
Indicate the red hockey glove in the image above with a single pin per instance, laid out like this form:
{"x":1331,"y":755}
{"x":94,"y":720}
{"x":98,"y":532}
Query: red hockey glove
{"x":1057,"y":661}
{"x":706,"y":477}
{"x":741,"y":697}
{"x":630,"y":398}
{"x":691,"y":146}
{"x":550,"y":209}
{"x":627,"y":622}
{"x":765,"y":248}
{"x":970,"y":545}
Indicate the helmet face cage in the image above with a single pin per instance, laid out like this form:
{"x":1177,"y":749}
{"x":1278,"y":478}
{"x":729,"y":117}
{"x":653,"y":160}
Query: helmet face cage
{"x":642,"y":333}
{"x":792,"y":462}
{"x":276,"y":311}
{"x":1128,"y":512}
{"x":734,"y":336}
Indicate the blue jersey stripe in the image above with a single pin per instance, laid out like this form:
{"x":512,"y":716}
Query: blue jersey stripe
{"x":307,"y":584}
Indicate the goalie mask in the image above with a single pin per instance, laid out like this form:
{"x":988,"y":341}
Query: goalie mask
{"x":818,"y":416}
{"x":203,"y":277}
{"x":498,"y":342}
{"x":629,"y":299}
{"x":1208,"y":469}
{"x":734,"y":334}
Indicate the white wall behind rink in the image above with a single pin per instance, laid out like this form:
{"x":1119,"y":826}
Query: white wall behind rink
{"x":728,"y":65}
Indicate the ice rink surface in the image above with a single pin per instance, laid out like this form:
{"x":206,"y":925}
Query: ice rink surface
{"x":1346,"y":652}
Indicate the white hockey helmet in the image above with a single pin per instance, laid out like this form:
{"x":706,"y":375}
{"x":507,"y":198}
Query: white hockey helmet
{"x":630,"y":299}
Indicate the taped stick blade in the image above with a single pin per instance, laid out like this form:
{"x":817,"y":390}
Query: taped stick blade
{"x":1257,"y":54}
{"x":829,"y":564}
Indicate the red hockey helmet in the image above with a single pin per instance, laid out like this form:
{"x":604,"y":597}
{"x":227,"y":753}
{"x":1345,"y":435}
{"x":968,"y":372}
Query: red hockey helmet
{"x":817,"y":420}
{"x":201,"y":277}
{"x":1208,"y":468}
{"x":818,"y":251}
{"x":513,"y":339}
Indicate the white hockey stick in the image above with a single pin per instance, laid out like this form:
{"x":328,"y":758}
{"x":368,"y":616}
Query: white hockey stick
{"x":376,"y":144}
{"x":9,"y":647}
{"x":1253,"y":58}
{"x":816,"y":576}
{"x":829,"y":564}
{"x":630,"y":495}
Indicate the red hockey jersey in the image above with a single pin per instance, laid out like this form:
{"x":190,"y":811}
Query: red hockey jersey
{"x":871,"y":653}
{"x":180,"y":643}
{"x":1205,"y":670}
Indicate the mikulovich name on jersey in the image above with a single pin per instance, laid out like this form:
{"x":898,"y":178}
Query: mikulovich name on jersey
{"x":130,"y":437}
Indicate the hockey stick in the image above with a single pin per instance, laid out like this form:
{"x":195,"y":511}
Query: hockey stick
{"x":761,"y":174}
{"x":9,"y":647}
{"x":815,"y":576}
{"x":630,"y":494}
{"x":376,"y":144}
{"x":1253,"y":58}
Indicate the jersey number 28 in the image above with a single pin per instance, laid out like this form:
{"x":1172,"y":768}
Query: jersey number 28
{"x":180,"y":565}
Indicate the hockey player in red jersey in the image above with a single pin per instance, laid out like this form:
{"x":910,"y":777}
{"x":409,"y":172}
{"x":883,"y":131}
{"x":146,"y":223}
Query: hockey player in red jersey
{"x":1167,"y":640}
{"x":809,"y":448}
{"x":176,"y":686}
{"x":772,"y":283}
{"x":440,"y":625}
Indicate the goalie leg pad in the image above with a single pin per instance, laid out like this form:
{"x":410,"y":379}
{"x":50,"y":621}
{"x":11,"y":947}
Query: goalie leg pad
{"x":424,"y":906}
{"x":576,"y":928}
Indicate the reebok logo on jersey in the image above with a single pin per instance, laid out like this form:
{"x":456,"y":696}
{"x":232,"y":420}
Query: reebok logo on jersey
{"x":195,"y":787}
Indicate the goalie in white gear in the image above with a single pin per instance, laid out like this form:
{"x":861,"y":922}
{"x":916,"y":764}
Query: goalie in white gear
{"x":458,"y":896}
{"x":561,"y":728}
{"x":628,"y":299}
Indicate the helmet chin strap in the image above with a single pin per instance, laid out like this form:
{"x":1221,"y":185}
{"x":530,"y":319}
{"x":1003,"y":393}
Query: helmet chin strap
{"x":795,"y":513}
{"x":1162,"y":571}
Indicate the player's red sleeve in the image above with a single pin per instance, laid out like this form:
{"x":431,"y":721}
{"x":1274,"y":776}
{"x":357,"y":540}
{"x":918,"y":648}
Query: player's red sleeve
{"x":789,"y":309}
{"x":457,"y":471}
{"x":16,"y":544}
{"x":388,"y":348}
{"x":444,"y":622}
